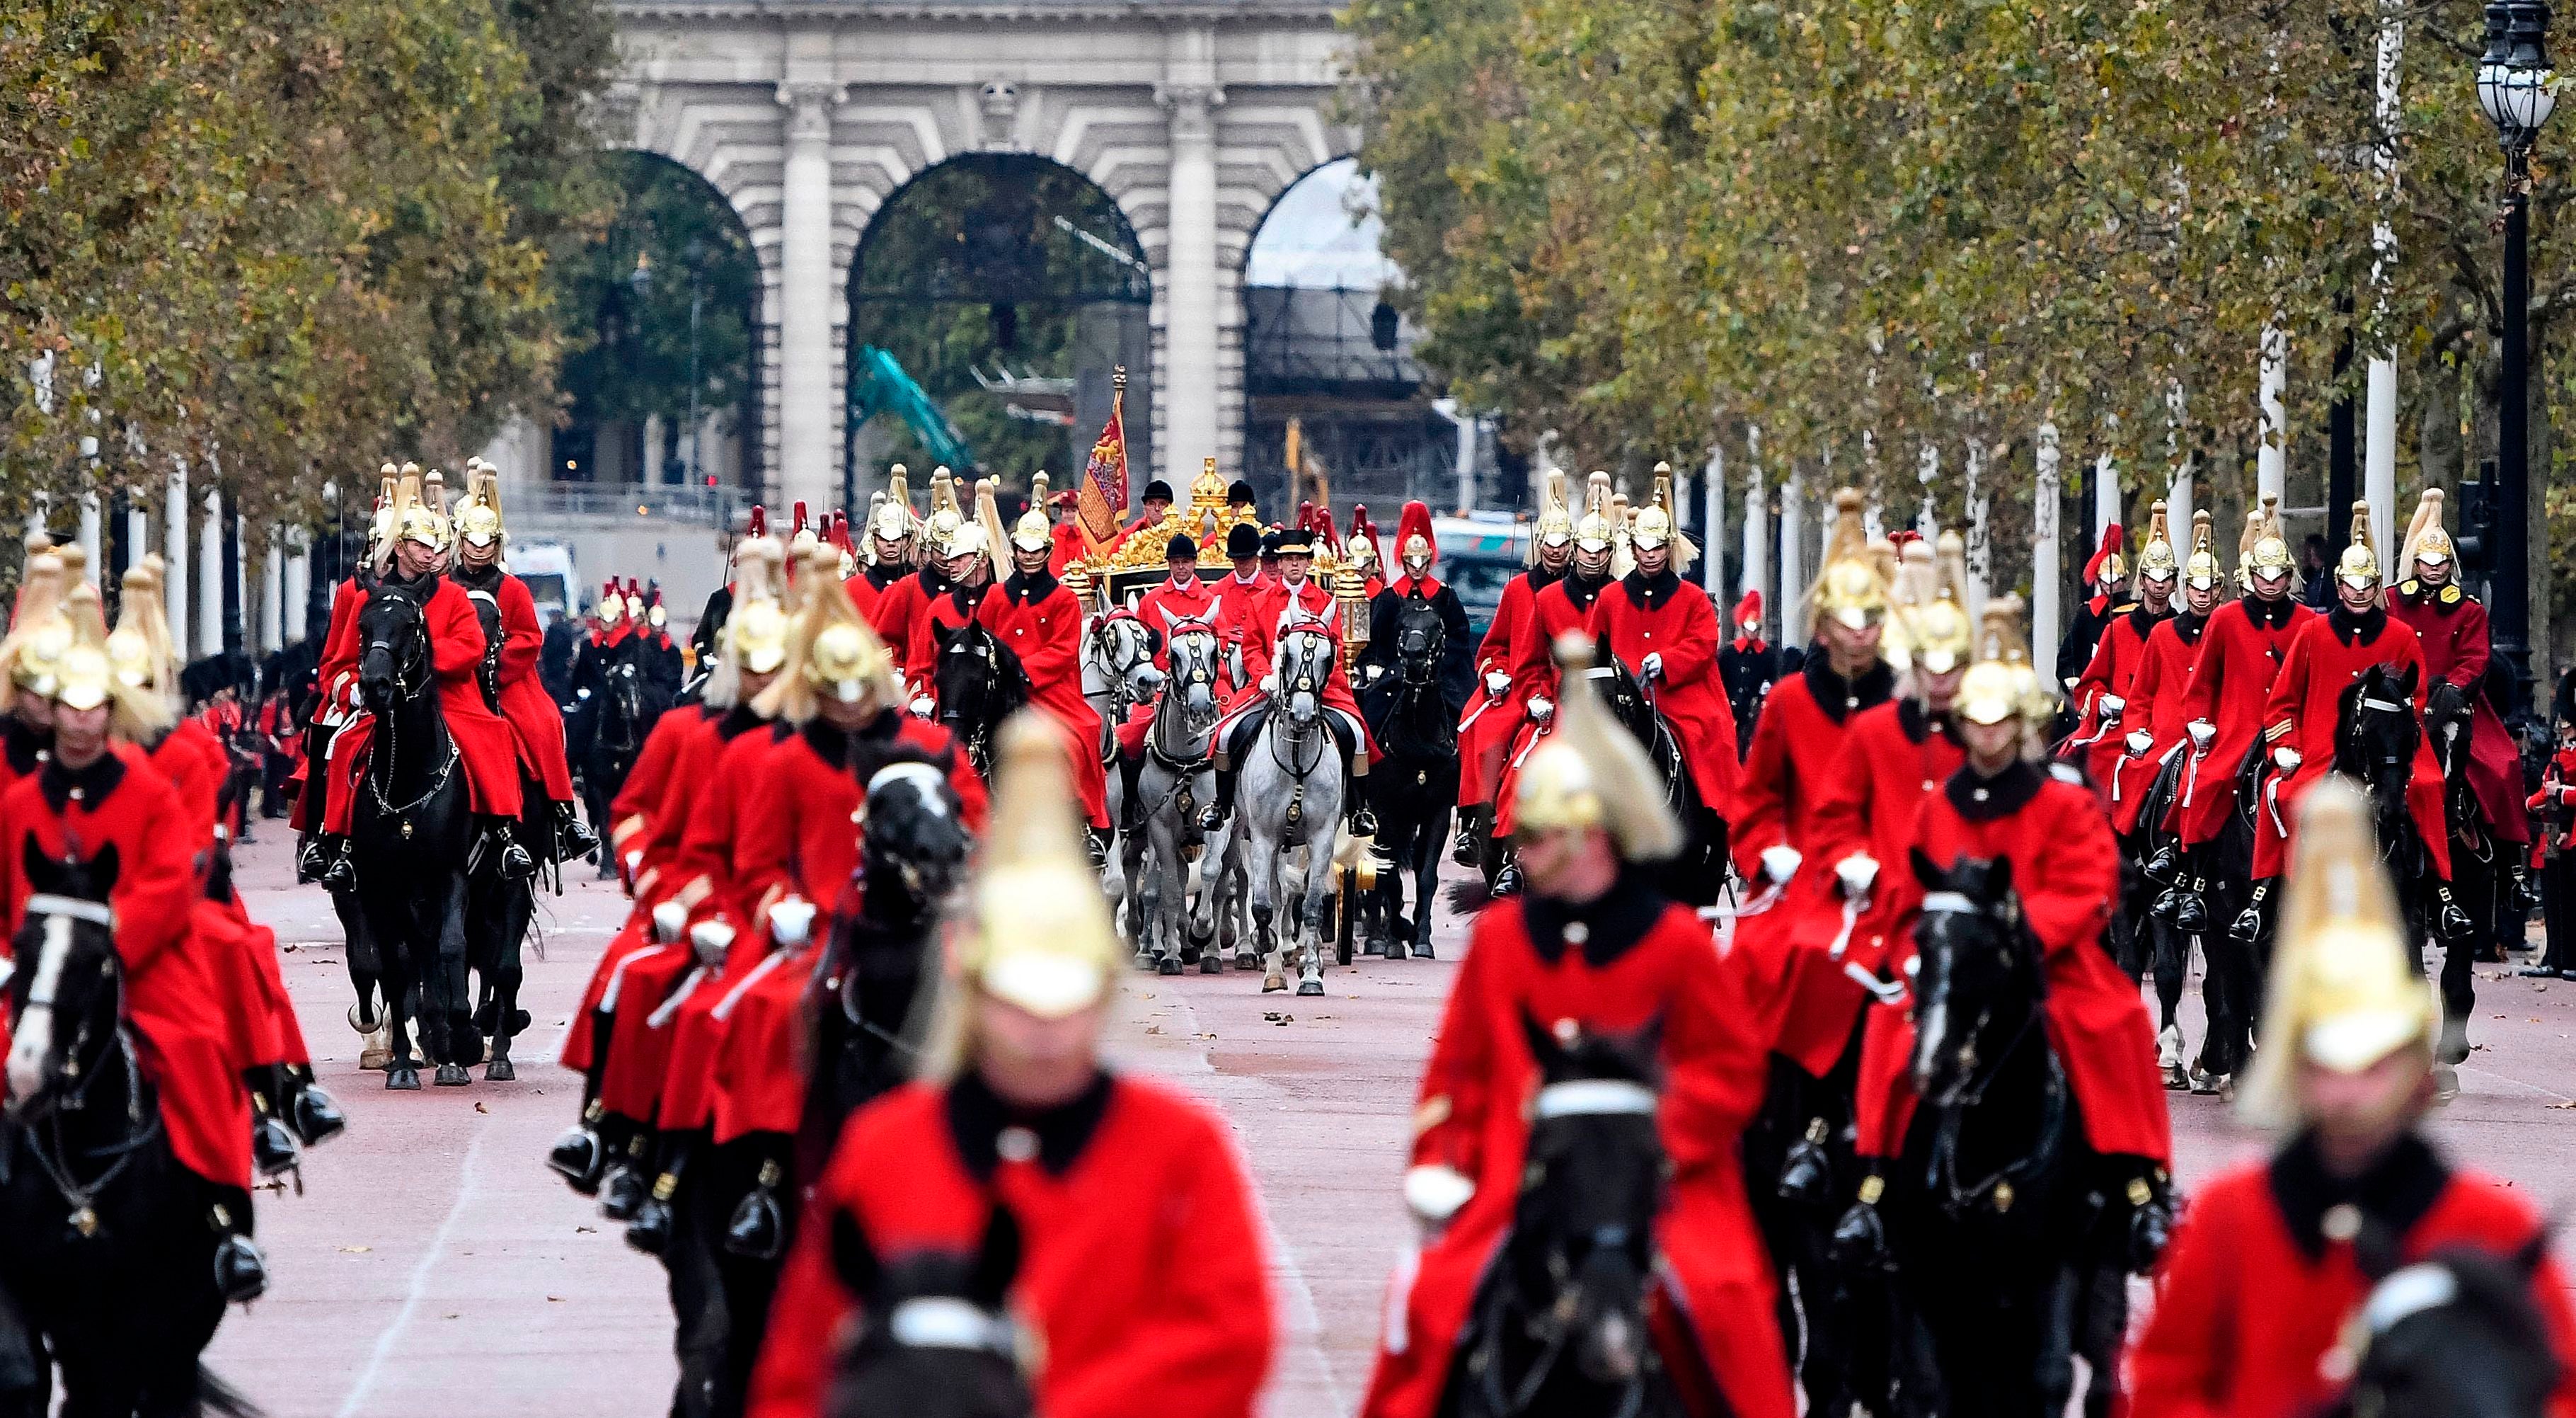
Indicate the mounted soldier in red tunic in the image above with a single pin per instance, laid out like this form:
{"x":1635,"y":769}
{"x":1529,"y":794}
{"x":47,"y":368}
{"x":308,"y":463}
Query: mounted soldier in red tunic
{"x":1555,"y":609}
{"x":513,"y":639}
{"x":1494,"y":713}
{"x":2101,"y":694}
{"x":2355,"y":1270}
{"x":1039,"y":618}
{"x":887,"y":557}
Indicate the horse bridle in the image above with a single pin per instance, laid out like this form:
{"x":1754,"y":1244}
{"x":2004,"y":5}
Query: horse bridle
{"x":1293,"y":743}
{"x":48,"y":1149}
{"x":1955,"y":1198}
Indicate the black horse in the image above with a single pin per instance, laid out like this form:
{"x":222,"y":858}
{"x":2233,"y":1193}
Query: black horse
{"x":625,"y":701}
{"x":2455,"y":1335}
{"x":936,"y":1339}
{"x":107,"y":1257}
{"x":2160,"y":915}
{"x":2483,"y":880}
{"x":1696,"y":874}
{"x":980,"y":685}
{"x":1559,"y":1326}
{"x":2010,"y":1247}
{"x":409,"y":843}
{"x":500,"y":917}
{"x":1414,"y":788}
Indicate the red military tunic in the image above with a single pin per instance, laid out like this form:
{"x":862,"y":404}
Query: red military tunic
{"x":171,"y":996}
{"x":2240,"y":655}
{"x":1891,"y":758}
{"x":2452,"y":628}
{"x":898,"y":605}
{"x":804,"y":842}
{"x":697,"y":1030}
{"x":945,"y":613}
{"x":2155,"y":709}
{"x":1172,"y":603}
{"x":536,"y":722}
{"x":1142,"y":1264}
{"x":485,"y":750}
{"x":2112,"y":673}
{"x":1238,"y":603}
{"x":1041,"y":622}
{"x":1489,"y":724}
{"x":2326,"y":657}
{"x":1643,"y":958}
{"x":1281,"y":609}
{"x":650,"y":812}
{"x":1556,"y":609}
{"x":1669,"y":617}
{"x":2066,"y":872}
{"x":239,"y":955}
{"x":333,"y":682}
{"x":2254,"y":1293}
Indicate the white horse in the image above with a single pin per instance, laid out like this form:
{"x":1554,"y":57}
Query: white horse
{"x":1179,"y":775}
{"x":1117,"y":675}
{"x":1288,"y":810}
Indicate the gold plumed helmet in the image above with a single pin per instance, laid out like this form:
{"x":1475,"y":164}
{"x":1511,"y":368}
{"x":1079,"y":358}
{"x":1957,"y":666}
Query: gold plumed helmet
{"x":38,"y":634}
{"x":2264,"y":549}
{"x":420,"y":508}
{"x":380,"y":527}
{"x":139,"y":654}
{"x":2343,"y":995}
{"x":831,"y":651}
{"x":1852,"y":587}
{"x":945,"y":515}
{"x":2359,"y":564}
{"x":890,"y":513}
{"x":2156,"y":560}
{"x":1042,"y":938}
{"x":1033,"y":532}
{"x":1555,"y":526}
{"x":1598,"y":529}
{"x":987,"y":534}
{"x":2001,"y":684}
{"x":2201,"y":572}
{"x":756,"y":631}
{"x":1658,"y":523}
{"x":478,"y":517}
{"x":83,"y":678}
{"x":1589,"y":772}
{"x":2426,"y":541}
{"x":1927,"y":626}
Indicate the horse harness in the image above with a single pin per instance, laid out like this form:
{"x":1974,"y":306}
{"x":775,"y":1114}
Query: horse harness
{"x":379,"y":767}
{"x":141,"y":1131}
{"x":1996,"y":1189}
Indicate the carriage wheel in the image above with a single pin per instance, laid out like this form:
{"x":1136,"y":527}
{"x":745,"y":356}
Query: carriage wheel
{"x":1342,"y":930}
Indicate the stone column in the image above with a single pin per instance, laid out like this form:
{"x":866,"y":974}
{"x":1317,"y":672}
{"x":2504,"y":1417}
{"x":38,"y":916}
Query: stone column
{"x":174,"y":551}
{"x":809,"y":408}
{"x":2044,"y":573}
{"x":299,"y":585}
{"x":210,"y":576}
{"x":1188,"y":378}
{"x":272,"y":596}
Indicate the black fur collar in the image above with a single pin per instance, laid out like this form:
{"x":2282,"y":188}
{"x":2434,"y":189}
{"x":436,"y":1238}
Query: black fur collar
{"x":90,"y":786}
{"x":1606,"y":927}
{"x":1920,"y":722}
{"x":737,"y":721}
{"x":1652,"y":593}
{"x":2271,"y":615}
{"x":1986,"y":799}
{"x":2188,"y":626}
{"x":2357,"y":629}
{"x":27,"y":746}
{"x":978,"y":1118}
{"x":834,"y":746}
{"x":2394,"y":1194}
{"x":1840,"y":698}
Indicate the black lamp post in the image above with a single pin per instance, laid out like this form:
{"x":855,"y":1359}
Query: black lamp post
{"x":640,"y":281}
{"x":696,"y":255}
{"x":2516,"y":88}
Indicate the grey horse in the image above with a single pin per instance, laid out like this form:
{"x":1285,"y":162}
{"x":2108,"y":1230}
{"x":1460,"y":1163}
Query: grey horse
{"x":1117,"y":675}
{"x":1179,"y":774}
{"x":1289,"y":803}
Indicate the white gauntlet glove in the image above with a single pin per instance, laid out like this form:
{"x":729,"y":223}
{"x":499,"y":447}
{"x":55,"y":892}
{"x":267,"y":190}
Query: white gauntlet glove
{"x":669,"y":919}
{"x":711,"y":939}
{"x":1433,"y":1192}
{"x":1857,"y":873}
{"x":2286,"y":759}
{"x":1541,"y":708}
{"x":2111,"y":705}
{"x":791,"y":921}
{"x":2139,"y":742}
{"x":1780,"y":863}
{"x":1651,"y":667}
{"x":1497,"y":684}
{"x":922,"y":708}
{"x":2203,"y":734}
{"x":1270,"y":684}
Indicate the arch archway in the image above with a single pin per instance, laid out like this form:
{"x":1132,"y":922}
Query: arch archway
{"x":991,"y":298}
{"x":664,"y":389}
{"x":1325,"y":350}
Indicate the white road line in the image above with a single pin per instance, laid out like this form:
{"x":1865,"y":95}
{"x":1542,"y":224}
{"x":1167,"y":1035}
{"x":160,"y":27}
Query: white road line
{"x":360,"y":1391}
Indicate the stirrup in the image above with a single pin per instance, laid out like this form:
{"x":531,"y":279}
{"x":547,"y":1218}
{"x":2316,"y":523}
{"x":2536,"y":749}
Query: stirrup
{"x":241,"y":1272}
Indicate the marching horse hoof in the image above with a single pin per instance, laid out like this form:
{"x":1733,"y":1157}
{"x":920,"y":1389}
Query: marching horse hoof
{"x":500,"y":1070}
{"x":1247,"y":960}
{"x":2208,"y":1084}
{"x":1374,"y":947}
{"x":1144,"y":958}
{"x":1273,"y":983}
{"x":1422,"y":950}
{"x":2446,"y":1083}
{"x":1168,"y":965}
{"x":1310,"y":987}
{"x":452,"y":1076}
{"x":1395,"y":950}
{"x":402,"y":1080}
{"x":1211,"y":964}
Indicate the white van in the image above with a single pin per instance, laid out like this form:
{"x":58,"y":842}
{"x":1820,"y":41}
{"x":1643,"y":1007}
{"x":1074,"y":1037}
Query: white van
{"x":547,"y":569}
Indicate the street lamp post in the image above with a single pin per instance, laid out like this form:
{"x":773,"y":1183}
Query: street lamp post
{"x":2515,"y":87}
{"x":640,"y":281}
{"x":696,"y":254}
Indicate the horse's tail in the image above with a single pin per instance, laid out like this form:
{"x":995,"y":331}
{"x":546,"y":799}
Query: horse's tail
{"x":221,"y":1399}
{"x":1468,"y":895}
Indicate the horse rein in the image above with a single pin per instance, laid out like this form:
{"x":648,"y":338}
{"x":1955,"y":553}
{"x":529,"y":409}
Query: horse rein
{"x":48,"y":1148}
{"x":380,"y":767}
{"x":1956,"y":1199}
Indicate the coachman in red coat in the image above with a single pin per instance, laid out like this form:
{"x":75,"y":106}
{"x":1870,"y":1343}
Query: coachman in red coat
{"x":2288,"y":1274}
{"x":1587,"y":950}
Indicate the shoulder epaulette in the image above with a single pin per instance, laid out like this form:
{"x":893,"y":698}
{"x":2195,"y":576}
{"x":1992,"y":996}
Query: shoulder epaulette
{"x":2453,"y":595}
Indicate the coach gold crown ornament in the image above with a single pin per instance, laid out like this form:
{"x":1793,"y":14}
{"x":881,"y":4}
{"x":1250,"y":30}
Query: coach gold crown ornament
{"x":2343,"y":995}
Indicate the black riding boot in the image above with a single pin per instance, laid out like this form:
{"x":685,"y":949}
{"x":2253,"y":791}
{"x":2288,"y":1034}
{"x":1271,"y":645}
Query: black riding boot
{"x":516,"y":863}
{"x":622,"y":1194}
{"x":650,"y":1231}
{"x":574,"y":841}
{"x":333,"y":868}
{"x":1463,"y":848}
{"x":1355,"y":792}
{"x":2247,"y":929}
{"x":272,"y":1147}
{"x":1213,"y":816}
{"x":241,"y":1271}
{"x":580,"y":1156}
{"x":312,"y":1113}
